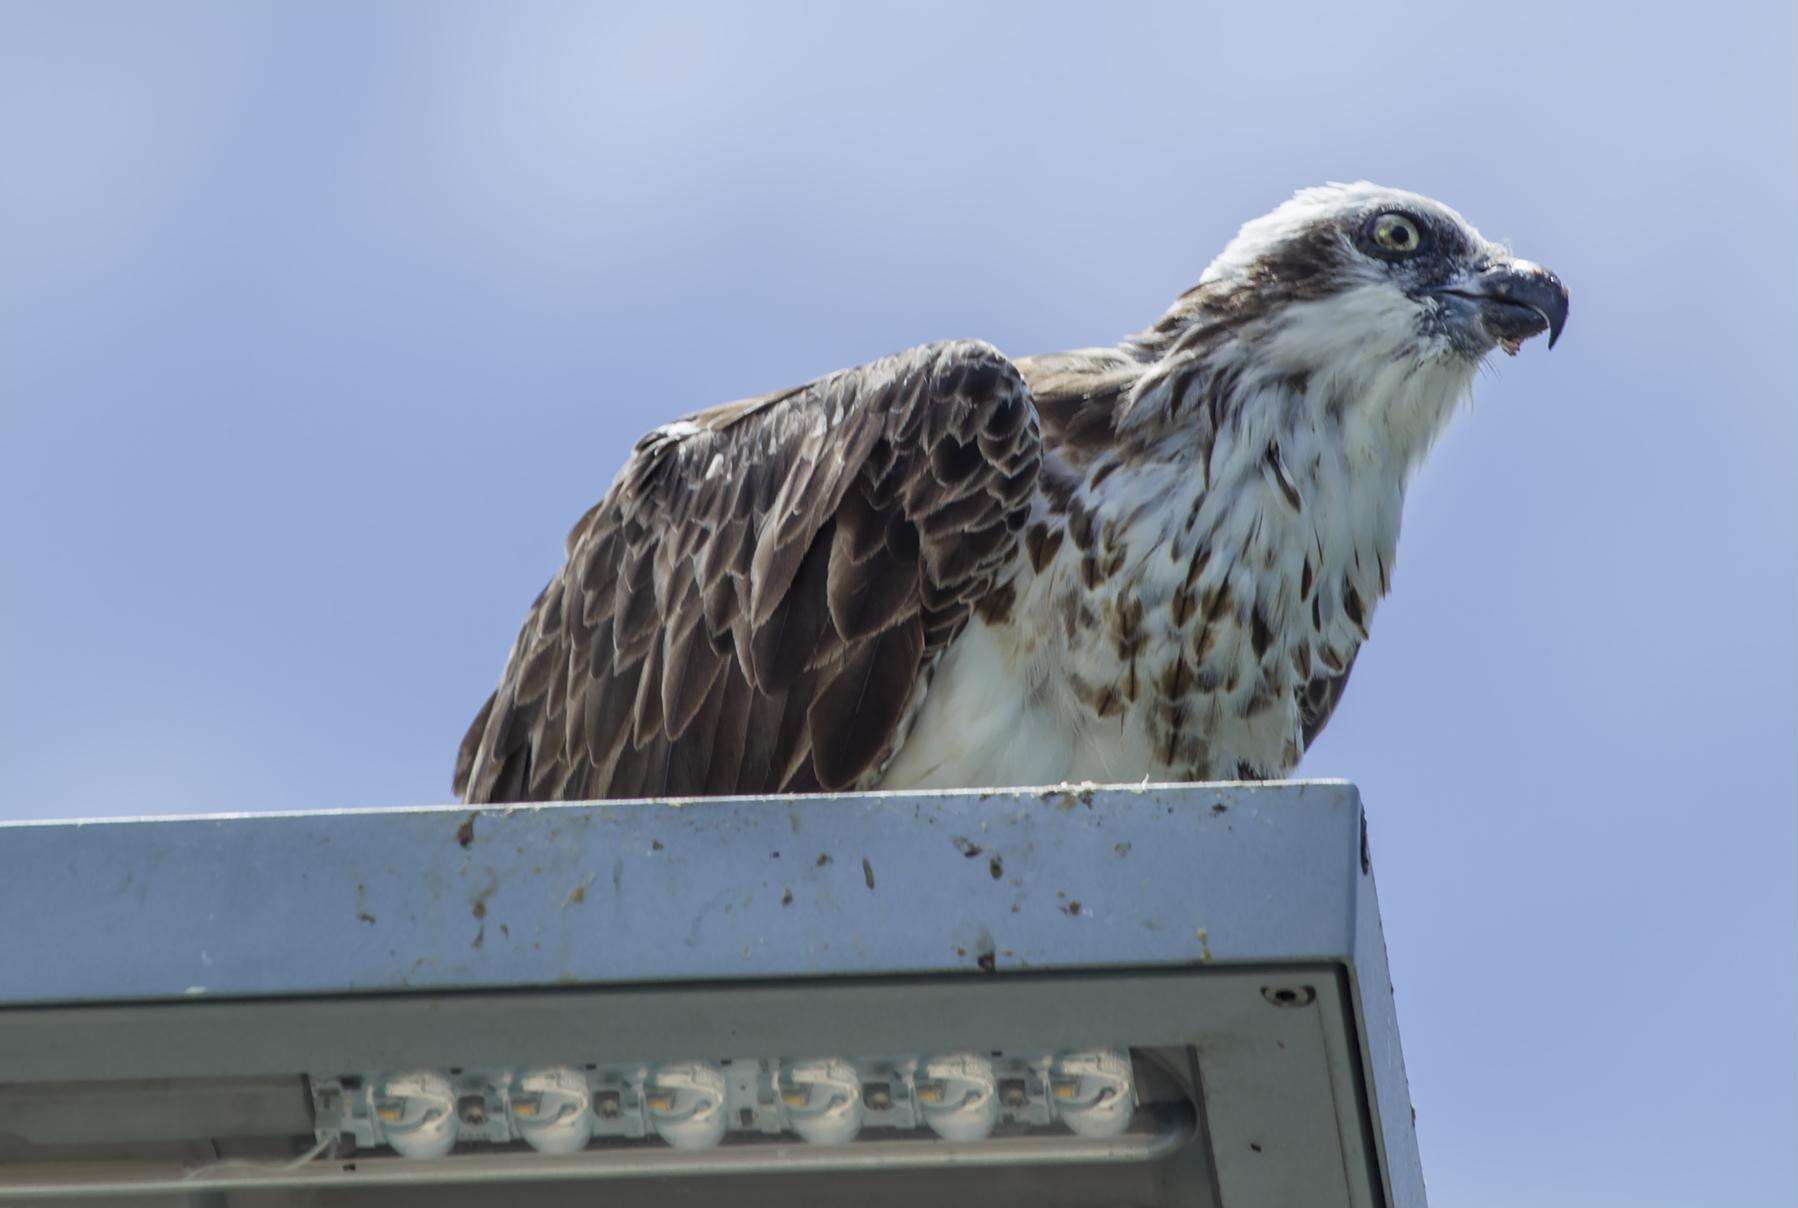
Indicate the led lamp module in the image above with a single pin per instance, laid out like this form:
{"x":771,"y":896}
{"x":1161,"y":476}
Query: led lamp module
{"x":959,"y":1094}
{"x":552,"y":1109}
{"x":1092,"y":1092}
{"x":823,"y":1099}
{"x":565,"y":1109}
{"x":417,"y":1113}
{"x":686,"y":1104}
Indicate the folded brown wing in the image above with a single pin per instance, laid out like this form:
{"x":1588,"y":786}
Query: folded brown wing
{"x":755,"y":604}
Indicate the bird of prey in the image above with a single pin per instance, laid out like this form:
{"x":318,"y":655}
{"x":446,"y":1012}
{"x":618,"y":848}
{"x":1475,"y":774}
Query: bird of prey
{"x":951,"y":568}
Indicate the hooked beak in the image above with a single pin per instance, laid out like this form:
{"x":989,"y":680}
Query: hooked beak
{"x":1516,"y":299}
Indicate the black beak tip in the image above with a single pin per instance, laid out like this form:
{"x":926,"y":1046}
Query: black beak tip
{"x":1524,"y":299}
{"x":1556,"y":310}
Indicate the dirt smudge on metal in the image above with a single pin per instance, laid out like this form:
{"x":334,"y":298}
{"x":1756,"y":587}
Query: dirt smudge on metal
{"x":1068,"y":797}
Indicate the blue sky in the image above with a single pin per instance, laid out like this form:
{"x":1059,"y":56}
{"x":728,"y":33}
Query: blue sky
{"x":319,"y":324}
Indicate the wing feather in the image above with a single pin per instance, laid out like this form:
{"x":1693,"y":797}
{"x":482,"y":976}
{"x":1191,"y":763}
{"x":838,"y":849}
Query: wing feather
{"x":692,"y":667}
{"x":853,"y":718}
{"x":754,"y":604}
{"x":796,"y":628}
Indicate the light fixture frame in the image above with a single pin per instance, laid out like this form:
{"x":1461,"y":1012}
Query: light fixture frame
{"x":1233,"y":929}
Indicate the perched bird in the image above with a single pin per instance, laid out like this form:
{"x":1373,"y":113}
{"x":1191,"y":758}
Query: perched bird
{"x":948,"y":568}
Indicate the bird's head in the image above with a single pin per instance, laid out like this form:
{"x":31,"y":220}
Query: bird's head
{"x":1375,"y":271}
{"x":1385,"y":300}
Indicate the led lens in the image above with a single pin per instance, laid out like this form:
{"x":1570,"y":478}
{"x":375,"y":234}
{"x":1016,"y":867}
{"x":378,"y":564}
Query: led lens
{"x":686,"y":1103}
{"x":823,"y":1099}
{"x":417,"y":1111}
{"x":959,"y":1095}
{"x":1093,"y":1091}
{"x":550,"y":1109}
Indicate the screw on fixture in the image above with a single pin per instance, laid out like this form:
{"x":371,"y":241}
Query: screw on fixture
{"x":1289,"y":996}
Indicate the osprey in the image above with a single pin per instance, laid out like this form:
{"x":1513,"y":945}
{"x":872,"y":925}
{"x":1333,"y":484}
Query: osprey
{"x":949,"y":568}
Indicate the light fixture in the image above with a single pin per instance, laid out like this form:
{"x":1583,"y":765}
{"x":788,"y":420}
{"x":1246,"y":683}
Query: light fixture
{"x":858,"y":1009}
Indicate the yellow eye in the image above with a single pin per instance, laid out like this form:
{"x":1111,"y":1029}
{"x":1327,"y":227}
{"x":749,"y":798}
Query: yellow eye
{"x":1396,"y":233}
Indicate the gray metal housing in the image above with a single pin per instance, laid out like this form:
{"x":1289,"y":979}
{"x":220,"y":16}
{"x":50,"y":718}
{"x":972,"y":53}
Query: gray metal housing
{"x":168,"y":984}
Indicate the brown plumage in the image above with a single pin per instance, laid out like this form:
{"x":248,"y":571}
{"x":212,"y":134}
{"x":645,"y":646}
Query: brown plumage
{"x":754,"y":604}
